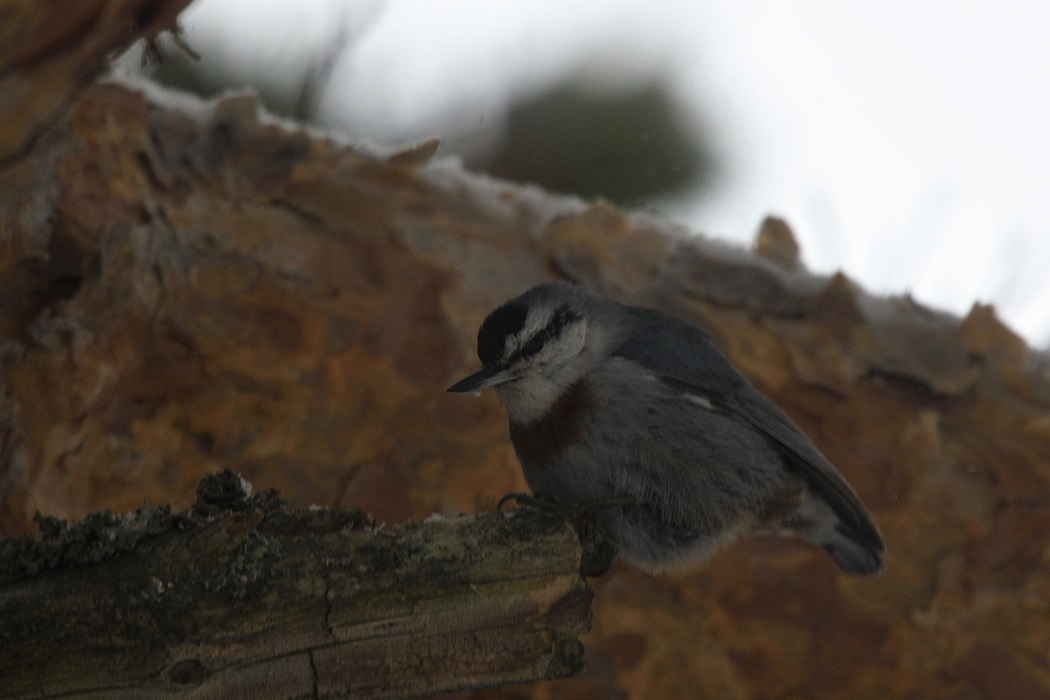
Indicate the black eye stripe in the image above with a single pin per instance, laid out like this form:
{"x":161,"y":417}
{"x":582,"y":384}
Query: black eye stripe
{"x":562,"y":318}
{"x":535,"y":344}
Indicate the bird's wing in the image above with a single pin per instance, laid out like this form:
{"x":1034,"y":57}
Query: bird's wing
{"x":805,"y":458}
{"x":687,"y":358}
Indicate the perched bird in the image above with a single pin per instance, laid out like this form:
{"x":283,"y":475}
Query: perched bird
{"x":639,"y":413}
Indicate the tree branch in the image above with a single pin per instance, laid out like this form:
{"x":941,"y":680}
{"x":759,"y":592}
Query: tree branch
{"x":185,"y":285}
{"x":245,"y":597}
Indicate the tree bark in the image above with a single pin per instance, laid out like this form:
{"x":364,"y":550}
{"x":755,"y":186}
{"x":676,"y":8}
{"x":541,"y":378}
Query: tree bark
{"x":187,"y":286}
{"x":53,"y":50}
{"x":245,"y":597}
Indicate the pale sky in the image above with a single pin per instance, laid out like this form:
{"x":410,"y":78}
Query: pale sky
{"x":905,"y":142}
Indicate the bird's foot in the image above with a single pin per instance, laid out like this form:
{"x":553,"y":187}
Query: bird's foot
{"x":550,"y":504}
{"x":527,"y":500}
{"x":597,"y":552}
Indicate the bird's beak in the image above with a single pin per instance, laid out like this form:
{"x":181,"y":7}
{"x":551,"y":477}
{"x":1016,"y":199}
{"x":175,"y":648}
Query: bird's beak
{"x":481,"y":380}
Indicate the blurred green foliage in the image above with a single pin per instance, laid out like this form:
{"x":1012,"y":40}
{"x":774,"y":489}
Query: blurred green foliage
{"x":628,"y":145}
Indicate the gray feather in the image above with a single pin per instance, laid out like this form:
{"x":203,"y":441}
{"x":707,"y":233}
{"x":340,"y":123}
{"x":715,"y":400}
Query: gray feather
{"x":690,"y":359}
{"x":807,"y":460}
{"x":616,"y":403}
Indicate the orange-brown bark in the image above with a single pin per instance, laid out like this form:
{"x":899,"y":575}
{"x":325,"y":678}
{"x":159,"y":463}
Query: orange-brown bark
{"x":185,"y":292}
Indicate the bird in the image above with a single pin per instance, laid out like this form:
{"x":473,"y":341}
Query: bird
{"x":640,"y":414}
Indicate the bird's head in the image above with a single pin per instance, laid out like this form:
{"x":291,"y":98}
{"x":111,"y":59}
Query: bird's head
{"x":533,"y":348}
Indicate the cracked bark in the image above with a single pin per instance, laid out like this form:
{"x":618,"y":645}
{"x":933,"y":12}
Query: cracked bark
{"x":241,"y":599}
{"x":186,"y":286}
{"x":244,"y":597}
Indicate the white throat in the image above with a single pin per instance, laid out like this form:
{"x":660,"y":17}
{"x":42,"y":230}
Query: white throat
{"x":530,"y":398}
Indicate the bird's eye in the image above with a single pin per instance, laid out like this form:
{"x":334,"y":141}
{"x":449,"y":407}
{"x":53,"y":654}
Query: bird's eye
{"x":534,"y":345}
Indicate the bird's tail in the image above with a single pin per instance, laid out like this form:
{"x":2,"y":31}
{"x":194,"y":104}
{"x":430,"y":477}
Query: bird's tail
{"x":857,"y":552}
{"x":850,"y":552}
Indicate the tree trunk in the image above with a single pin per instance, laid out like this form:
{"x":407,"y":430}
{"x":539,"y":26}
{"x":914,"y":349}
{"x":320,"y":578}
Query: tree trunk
{"x":189,"y":286}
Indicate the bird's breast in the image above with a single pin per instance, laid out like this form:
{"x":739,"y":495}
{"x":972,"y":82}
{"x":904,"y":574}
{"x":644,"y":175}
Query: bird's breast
{"x":540,"y":441}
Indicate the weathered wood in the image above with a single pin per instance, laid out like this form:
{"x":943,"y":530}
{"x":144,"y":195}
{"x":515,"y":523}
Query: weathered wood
{"x":186,"y":286}
{"x":244,"y":597}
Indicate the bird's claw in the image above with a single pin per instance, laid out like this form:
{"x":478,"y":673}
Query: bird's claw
{"x":598,"y":553}
{"x":549,"y":504}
